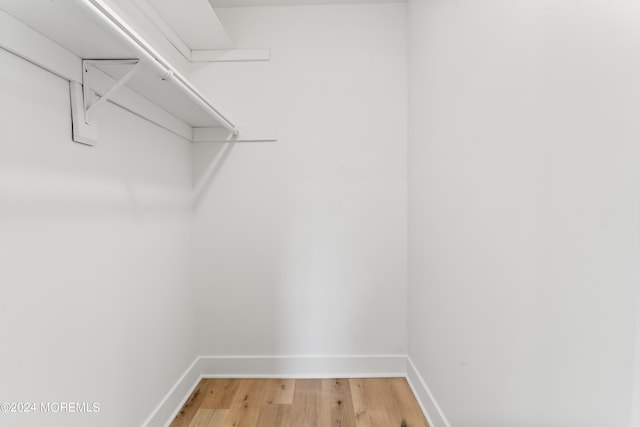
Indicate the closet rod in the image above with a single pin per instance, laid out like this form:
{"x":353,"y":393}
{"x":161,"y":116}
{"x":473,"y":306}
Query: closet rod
{"x":166,"y":71}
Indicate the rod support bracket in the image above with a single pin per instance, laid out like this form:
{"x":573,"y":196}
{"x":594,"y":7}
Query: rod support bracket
{"x":167,"y":76}
{"x":85,"y":100}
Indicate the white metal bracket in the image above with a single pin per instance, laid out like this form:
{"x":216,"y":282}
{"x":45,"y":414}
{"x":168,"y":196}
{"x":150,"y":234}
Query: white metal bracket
{"x":85,"y":100}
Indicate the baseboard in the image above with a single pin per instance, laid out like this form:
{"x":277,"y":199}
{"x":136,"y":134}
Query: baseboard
{"x":168,"y":408}
{"x":427,"y":402}
{"x":303,"y":366}
{"x":347,"y":366}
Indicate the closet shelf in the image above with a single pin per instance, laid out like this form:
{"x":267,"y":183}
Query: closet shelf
{"x":59,"y":35}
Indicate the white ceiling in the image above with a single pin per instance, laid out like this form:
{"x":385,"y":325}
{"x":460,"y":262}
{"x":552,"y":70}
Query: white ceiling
{"x":238,"y":3}
{"x":194,"y":21}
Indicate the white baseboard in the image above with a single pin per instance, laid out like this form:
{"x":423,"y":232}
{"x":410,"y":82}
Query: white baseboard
{"x":348,"y":366}
{"x":428,"y":404}
{"x":303,"y":366}
{"x":168,"y":408}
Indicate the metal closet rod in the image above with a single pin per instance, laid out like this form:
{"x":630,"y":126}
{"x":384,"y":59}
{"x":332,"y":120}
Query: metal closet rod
{"x":166,"y":71}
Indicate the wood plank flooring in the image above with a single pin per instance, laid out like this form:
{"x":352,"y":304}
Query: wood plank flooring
{"x":342,"y":402}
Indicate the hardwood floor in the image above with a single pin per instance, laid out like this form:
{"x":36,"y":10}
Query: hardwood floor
{"x":359,"y":402}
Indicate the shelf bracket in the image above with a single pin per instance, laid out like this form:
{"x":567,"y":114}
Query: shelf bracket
{"x":84,"y":102}
{"x":89,"y":94}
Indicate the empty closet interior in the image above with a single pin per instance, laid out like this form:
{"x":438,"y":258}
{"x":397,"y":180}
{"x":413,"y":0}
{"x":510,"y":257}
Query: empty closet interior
{"x":441,"y":190}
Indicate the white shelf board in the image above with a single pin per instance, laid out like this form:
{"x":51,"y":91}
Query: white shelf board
{"x":162,"y":93}
{"x":74,"y":29}
{"x":69,"y":26}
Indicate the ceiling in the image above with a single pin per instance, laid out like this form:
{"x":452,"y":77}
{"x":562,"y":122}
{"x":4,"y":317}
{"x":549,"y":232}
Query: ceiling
{"x":238,"y":3}
{"x":194,"y":21}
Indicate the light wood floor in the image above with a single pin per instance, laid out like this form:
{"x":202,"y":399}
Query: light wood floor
{"x":370,"y":402}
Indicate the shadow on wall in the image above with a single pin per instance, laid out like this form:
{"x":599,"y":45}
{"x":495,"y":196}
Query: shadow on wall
{"x":208,"y":160}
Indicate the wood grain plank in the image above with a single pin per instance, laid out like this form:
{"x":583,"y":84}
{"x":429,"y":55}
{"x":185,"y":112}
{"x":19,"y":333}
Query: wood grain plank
{"x":276,"y":415}
{"x":219,"y":393}
{"x":310,"y":405}
{"x":369,"y":403}
{"x":247,"y":403}
{"x":303,"y":411}
{"x":281,"y":391}
{"x":362,"y":418}
{"x":402,"y":406}
{"x":208,"y":418}
{"x":340,"y":402}
{"x":189,"y":409}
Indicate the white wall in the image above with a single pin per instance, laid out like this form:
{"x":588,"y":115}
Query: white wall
{"x":301,"y":244}
{"x":95,"y":296}
{"x":523,"y":213}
